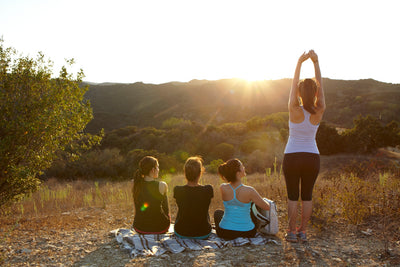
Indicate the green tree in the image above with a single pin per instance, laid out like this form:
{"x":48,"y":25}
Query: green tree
{"x":39,"y":115}
{"x":213,"y":166}
{"x":328,"y":139}
{"x":366,"y":136}
{"x":224,"y":151}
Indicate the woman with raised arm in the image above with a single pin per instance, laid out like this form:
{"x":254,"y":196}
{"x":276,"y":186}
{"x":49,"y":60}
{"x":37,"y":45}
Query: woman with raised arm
{"x":301,"y":161}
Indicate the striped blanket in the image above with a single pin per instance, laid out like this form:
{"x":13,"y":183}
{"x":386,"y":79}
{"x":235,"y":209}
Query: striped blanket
{"x":155,"y":245}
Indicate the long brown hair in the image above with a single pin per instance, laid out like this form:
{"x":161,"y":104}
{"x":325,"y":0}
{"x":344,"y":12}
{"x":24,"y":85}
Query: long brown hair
{"x":308,"y":89}
{"x":146,"y":164}
{"x":229,"y":169}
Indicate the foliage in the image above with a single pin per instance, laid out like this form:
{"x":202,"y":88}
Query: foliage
{"x":368,"y":134}
{"x":224,"y":151}
{"x":328,"y":139}
{"x":213,"y":166}
{"x":229,"y":101}
{"x":39,"y":116}
{"x":258,"y":146}
{"x":175,"y":122}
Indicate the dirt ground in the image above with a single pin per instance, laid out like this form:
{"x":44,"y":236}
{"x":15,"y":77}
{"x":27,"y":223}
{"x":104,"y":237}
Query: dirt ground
{"x":81,"y":238}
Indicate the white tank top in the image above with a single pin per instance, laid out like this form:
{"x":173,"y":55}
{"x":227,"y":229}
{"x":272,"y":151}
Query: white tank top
{"x":302,"y":136}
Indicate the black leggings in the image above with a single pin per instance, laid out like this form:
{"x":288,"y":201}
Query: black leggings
{"x":231,"y":234}
{"x":300,"y":169}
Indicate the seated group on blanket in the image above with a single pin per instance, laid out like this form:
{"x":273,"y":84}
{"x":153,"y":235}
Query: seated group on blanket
{"x":193,"y":200}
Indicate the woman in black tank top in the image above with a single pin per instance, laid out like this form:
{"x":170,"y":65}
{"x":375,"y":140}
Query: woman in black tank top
{"x":150,"y":198}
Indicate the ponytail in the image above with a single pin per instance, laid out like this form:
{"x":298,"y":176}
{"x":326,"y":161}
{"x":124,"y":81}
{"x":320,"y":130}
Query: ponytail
{"x":146,"y":164}
{"x":138,"y":179}
{"x":308,"y":90}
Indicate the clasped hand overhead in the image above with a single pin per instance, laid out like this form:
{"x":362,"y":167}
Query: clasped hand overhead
{"x":310,"y":54}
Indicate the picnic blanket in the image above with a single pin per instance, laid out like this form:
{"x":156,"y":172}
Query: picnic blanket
{"x":158,"y":244}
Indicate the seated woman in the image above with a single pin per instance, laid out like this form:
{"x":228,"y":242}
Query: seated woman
{"x":150,"y":198}
{"x":236,"y":221}
{"x":193,"y":200}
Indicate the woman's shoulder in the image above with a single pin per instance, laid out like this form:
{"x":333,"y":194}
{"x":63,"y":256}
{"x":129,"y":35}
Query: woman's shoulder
{"x":179,"y":188}
{"x":248,"y":188}
{"x":163,"y":187}
{"x":224,"y":185}
{"x":208,"y":186}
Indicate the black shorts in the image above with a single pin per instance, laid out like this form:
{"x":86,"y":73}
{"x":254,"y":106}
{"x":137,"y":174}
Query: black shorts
{"x":300,"y":169}
{"x":232,"y":234}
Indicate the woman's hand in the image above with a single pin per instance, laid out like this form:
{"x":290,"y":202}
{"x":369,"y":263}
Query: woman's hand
{"x":304,"y":57}
{"x":313,"y":56}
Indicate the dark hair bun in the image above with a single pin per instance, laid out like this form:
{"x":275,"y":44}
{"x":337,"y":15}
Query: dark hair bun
{"x":222,"y":169}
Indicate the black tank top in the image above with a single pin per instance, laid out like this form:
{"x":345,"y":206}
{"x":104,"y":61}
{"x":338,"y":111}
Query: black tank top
{"x":193,"y":202}
{"x":151,"y":209}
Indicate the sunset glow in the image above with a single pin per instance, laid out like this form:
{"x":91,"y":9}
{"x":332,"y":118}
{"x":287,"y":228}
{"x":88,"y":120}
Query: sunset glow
{"x":162,"y":41}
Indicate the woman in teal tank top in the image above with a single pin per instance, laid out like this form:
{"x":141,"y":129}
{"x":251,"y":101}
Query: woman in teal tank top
{"x":236,"y":221}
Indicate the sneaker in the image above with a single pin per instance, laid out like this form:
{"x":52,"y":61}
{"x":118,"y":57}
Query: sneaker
{"x":302,"y":236}
{"x":291,"y":237}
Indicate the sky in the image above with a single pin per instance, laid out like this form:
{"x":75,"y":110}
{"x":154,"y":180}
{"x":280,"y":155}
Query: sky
{"x":159,"y":41}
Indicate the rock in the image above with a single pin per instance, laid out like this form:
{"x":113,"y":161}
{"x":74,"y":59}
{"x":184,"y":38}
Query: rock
{"x":250,"y":258}
{"x":315,"y":253}
{"x":337,"y":259}
{"x":368,"y":232}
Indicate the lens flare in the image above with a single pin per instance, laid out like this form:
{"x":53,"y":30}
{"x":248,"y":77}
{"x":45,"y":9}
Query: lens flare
{"x":144,"y":206}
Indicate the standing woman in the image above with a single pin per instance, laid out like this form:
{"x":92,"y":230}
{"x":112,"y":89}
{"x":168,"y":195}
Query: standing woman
{"x":301,"y":161}
{"x":236,"y":221}
{"x":150,"y":197}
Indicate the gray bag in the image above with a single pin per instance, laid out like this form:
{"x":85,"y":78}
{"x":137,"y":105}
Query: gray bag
{"x":267,"y":220}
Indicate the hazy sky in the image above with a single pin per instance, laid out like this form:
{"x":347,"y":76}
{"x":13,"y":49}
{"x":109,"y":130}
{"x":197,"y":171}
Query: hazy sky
{"x":169,"y":40}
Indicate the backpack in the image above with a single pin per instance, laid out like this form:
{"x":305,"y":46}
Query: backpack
{"x":267,"y":220}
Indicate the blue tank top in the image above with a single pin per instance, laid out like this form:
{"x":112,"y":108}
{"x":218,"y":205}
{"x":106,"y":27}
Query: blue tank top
{"x":237,"y":214}
{"x":302,"y":136}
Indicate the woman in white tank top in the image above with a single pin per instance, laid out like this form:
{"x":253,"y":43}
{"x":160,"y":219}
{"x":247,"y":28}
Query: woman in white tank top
{"x":301,"y":160}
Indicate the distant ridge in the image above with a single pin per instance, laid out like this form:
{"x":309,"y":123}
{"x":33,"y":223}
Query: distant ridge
{"x":117,"y":105}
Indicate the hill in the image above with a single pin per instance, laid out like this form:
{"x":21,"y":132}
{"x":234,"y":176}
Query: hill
{"x":231,"y":100}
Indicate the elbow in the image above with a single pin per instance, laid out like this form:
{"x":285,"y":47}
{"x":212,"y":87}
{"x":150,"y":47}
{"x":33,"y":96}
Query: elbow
{"x":267,"y":207}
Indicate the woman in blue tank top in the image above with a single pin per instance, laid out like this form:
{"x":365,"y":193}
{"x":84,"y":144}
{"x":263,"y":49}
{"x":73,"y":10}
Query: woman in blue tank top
{"x":301,"y":160}
{"x":236,"y":221}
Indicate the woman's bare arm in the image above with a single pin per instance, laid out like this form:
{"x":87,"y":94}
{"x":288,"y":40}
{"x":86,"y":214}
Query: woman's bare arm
{"x":320,"y":93}
{"x":294,"y":91}
{"x":258,"y":200}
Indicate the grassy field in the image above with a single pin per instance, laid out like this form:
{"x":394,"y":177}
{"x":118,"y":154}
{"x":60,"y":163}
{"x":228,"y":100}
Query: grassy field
{"x":356,"y":212}
{"x":355,"y":196}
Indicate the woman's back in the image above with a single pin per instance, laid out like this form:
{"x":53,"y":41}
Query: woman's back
{"x":151,"y":209}
{"x":237,"y":210}
{"x":193,"y":203}
{"x":302,"y":135}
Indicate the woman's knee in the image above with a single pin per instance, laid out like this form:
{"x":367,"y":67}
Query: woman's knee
{"x":218,"y":214}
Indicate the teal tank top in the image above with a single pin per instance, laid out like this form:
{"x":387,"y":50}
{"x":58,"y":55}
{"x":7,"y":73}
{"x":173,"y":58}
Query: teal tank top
{"x":237,"y":214}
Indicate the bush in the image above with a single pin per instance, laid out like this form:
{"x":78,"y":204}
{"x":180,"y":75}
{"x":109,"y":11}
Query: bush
{"x":213,"y":166}
{"x":39,"y":115}
{"x":224,"y":151}
{"x":328,"y":140}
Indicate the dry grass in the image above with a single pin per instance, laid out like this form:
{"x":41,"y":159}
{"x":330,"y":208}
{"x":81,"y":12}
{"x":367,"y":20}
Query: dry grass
{"x":345,"y":198}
